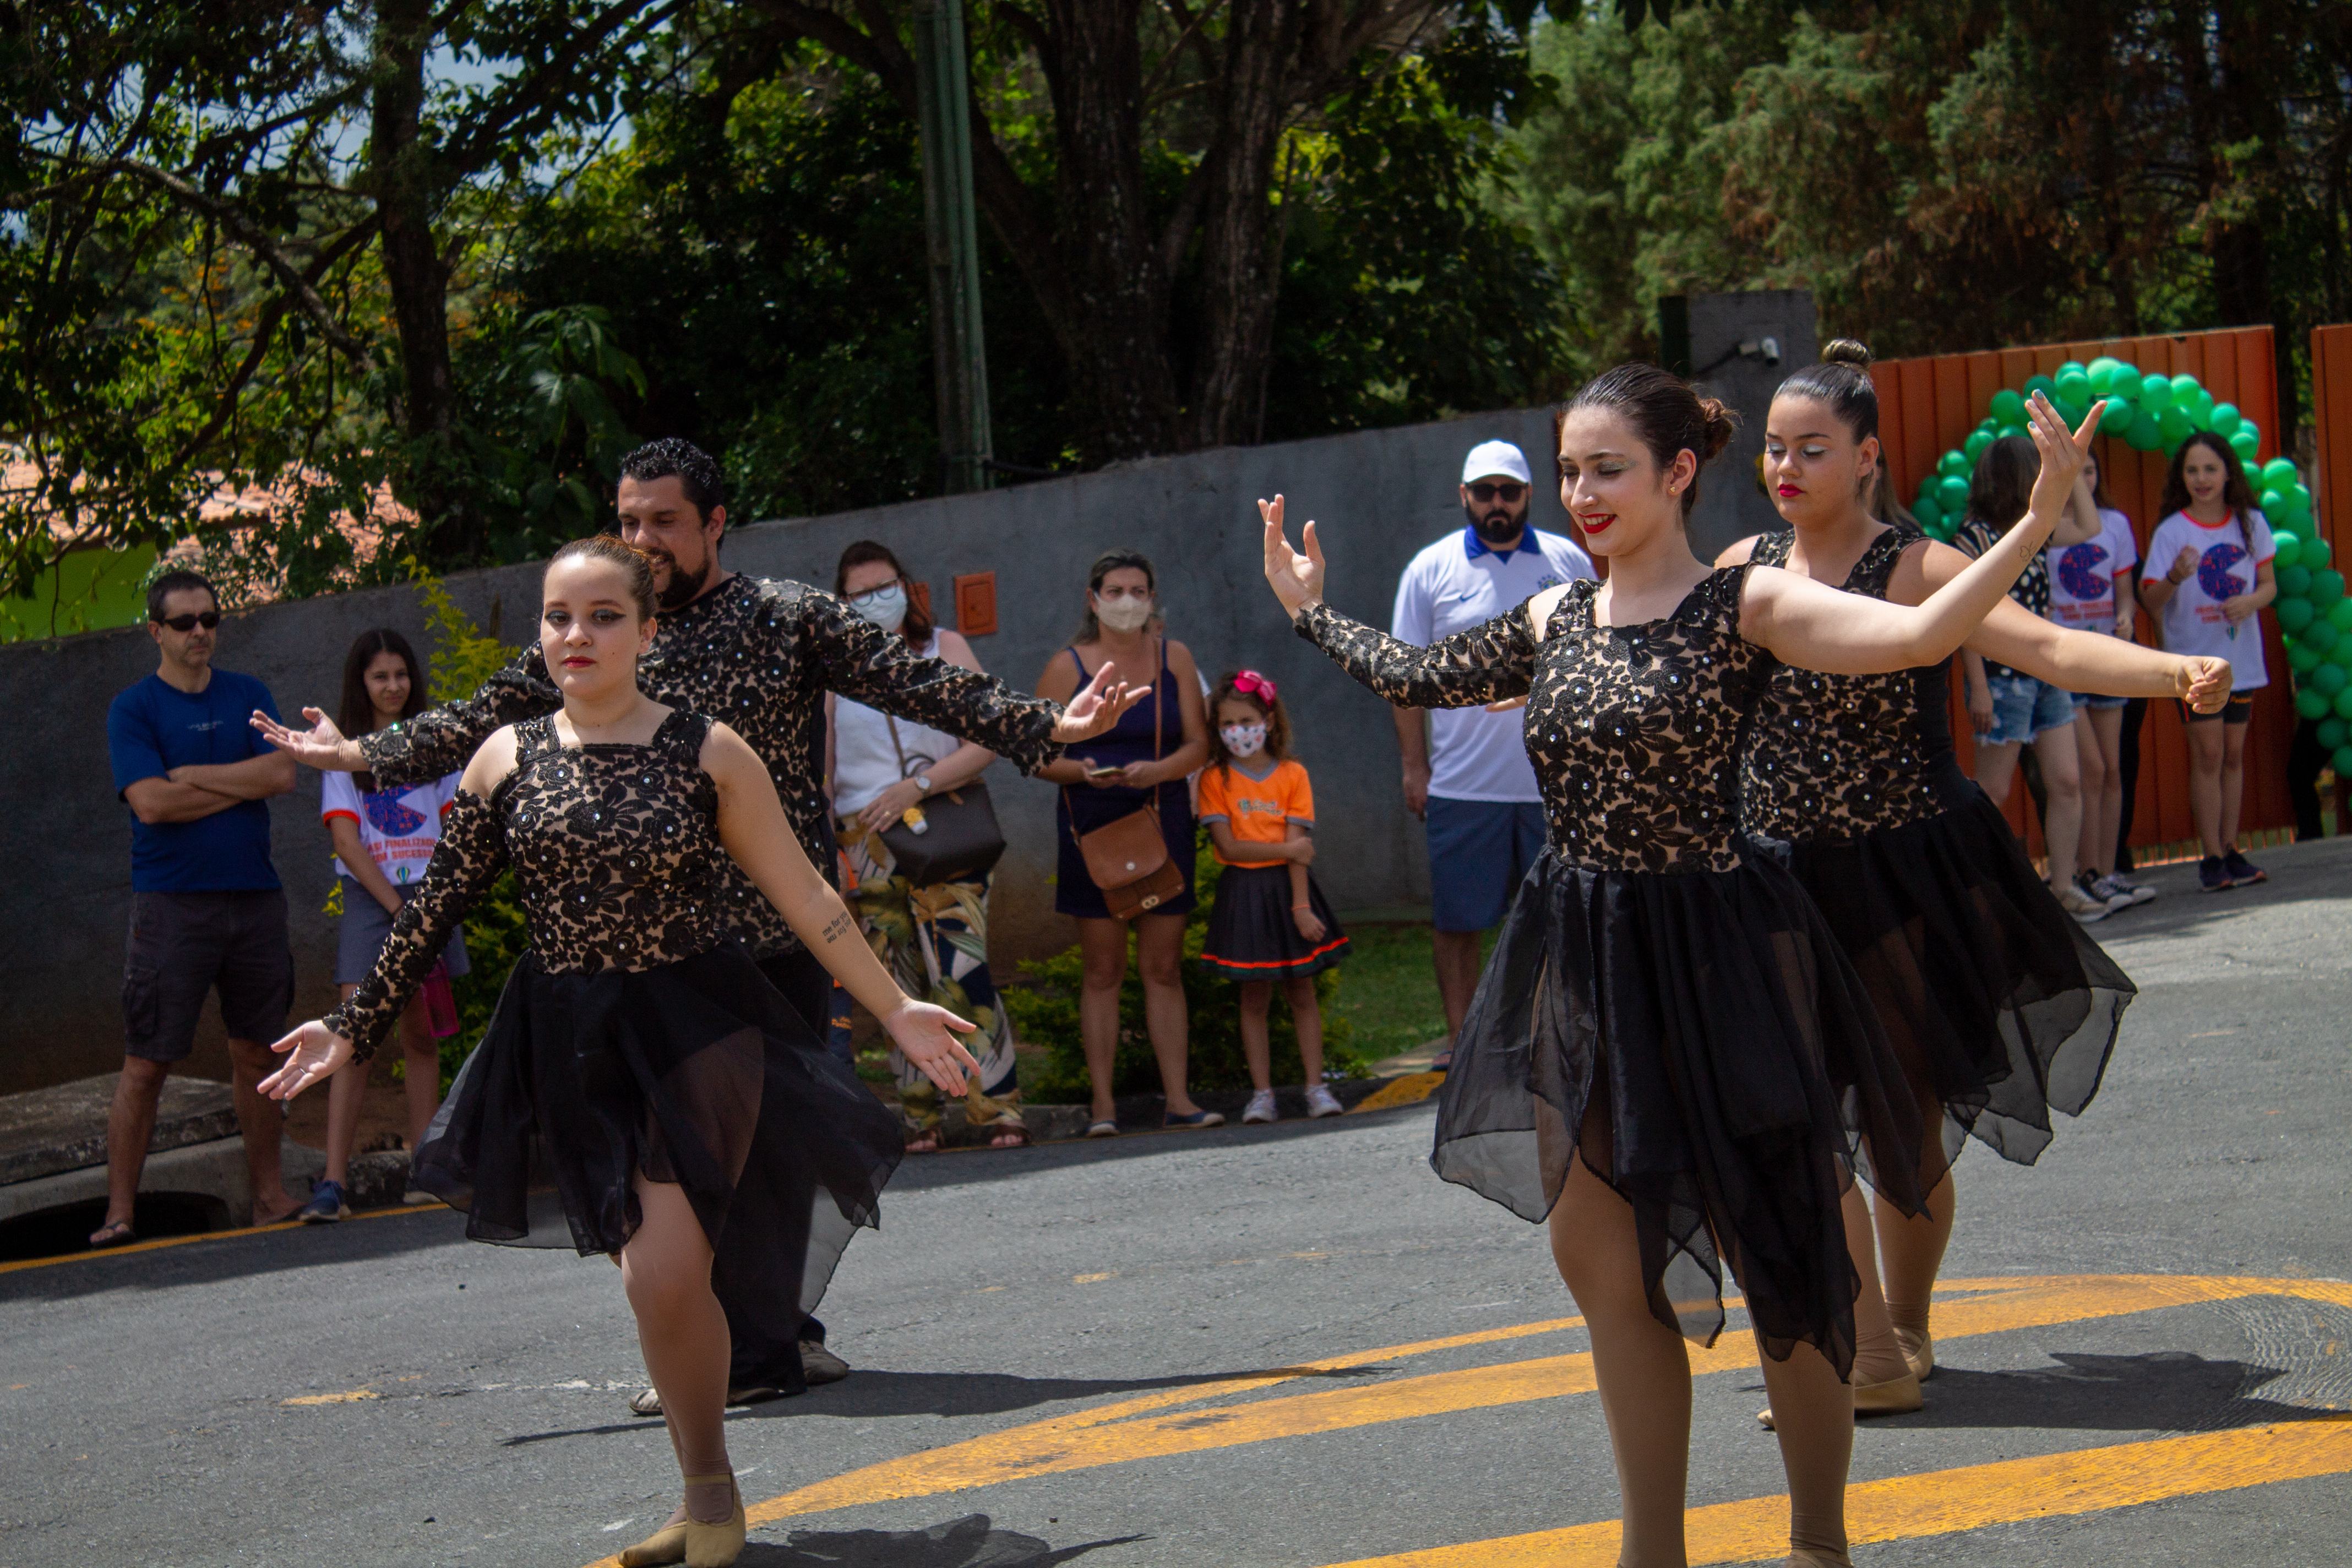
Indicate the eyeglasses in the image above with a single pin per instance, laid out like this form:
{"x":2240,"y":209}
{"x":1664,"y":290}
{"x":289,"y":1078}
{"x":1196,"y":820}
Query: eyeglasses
{"x":1482,"y":494}
{"x":208,"y":620}
{"x":871,"y":594}
{"x":1249,"y":682}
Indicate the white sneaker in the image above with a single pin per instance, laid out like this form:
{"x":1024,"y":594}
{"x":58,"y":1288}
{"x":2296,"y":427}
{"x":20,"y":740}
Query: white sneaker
{"x":2085,"y":908}
{"x":1261,"y":1106}
{"x":1321,"y":1101}
{"x":2116,"y":884}
{"x":2096,"y":889}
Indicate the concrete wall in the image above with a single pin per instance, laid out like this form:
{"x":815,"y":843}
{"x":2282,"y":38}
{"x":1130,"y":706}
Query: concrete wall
{"x":1731,"y":502}
{"x":1381,"y":496}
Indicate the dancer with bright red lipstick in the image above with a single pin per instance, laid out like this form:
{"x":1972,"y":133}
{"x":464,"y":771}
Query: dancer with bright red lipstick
{"x":1653,"y":1058}
{"x":1998,"y":1005}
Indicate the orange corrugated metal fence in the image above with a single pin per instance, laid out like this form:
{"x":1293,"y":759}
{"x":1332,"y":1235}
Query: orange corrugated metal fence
{"x":2331,"y":414}
{"x":1927,"y":406}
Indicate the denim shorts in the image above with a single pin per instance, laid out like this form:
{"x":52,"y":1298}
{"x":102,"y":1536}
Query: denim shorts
{"x":2089,"y":700}
{"x":2023,"y":707}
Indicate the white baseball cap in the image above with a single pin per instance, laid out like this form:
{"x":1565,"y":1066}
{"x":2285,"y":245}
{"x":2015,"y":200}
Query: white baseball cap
{"x":1489,"y":459}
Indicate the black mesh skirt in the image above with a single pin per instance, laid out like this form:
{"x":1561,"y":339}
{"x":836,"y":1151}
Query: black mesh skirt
{"x":1700,"y":1042}
{"x":697,"y":1072}
{"x":1254,"y":935}
{"x":2000,"y":1006}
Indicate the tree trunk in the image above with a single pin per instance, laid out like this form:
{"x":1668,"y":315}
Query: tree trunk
{"x":1239,"y":258}
{"x":401,"y":176}
{"x":2252,"y":67}
{"x":1112,"y":319}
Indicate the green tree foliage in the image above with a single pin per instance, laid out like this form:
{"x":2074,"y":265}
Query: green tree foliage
{"x":1950,"y":178}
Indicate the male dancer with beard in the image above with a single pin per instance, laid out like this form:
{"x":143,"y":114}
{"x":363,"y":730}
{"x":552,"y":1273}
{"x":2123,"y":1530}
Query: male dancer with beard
{"x":1465,"y":771}
{"x":759,"y":654}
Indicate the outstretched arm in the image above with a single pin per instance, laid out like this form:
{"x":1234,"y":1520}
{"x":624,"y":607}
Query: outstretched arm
{"x":1815,"y":628}
{"x":471,"y":854}
{"x":2082,"y":661}
{"x":751,"y":826}
{"x":433,"y":745}
{"x":1484,"y":664}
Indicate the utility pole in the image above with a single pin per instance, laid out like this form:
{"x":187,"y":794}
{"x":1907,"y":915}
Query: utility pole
{"x":959,"y":352}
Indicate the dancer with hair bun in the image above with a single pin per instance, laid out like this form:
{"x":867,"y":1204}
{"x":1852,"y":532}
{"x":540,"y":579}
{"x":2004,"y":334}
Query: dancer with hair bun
{"x":639,"y":1062}
{"x":1999,"y":1008}
{"x":1653,"y":1058}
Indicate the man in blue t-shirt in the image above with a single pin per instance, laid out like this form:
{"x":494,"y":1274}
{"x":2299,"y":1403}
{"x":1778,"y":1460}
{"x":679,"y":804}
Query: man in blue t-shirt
{"x":206,"y":909}
{"x":1467,"y":774}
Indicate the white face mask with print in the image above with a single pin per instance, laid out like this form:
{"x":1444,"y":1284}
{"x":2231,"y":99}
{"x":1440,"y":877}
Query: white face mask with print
{"x":1242,"y":740}
{"x":1125,"y":613}
{"x":885,"y":607}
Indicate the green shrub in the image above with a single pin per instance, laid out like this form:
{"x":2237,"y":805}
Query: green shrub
{"x":1046,"y":1013}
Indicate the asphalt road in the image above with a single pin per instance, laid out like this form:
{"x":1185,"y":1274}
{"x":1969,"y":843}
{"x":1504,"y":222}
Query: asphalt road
{"x":1077,"y":1351}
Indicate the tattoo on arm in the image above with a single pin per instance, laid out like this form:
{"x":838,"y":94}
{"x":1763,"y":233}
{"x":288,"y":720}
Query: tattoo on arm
{"x":838,"y":927}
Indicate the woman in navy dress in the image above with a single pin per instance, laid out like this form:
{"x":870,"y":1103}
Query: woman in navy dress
{"x":1139,"y":764}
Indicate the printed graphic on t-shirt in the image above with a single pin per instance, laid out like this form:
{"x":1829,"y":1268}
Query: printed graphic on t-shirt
{"x":2217,"y":574}
{"x":388,"y":816}
{"x":2083,"y":572}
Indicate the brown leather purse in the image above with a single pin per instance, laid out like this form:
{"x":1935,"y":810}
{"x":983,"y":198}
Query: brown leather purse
{"x":1127,"y":858}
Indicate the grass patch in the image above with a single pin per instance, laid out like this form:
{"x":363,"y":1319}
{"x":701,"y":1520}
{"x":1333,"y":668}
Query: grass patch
{"x":1388,"y":989}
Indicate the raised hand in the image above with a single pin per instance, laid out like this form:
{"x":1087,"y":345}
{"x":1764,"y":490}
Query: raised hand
{"x":922,"y":1034}
{"x":322,"y":745}
{"x":1097,"y":707}
{"x":2207,"y":686}
{"x":318,"y":1050}
{"x":2064,"y":455}
{"x":1297,"y":579}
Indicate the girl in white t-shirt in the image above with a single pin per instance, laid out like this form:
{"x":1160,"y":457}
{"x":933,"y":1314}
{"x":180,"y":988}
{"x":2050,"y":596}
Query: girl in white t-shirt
{"x":383,"y":839}
{"x":2207,"y":575}
{"x":2090,"y":591}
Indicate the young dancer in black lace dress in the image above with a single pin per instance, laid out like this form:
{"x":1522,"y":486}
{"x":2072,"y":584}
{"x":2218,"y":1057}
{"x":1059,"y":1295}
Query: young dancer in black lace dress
{"x":639,"y":1062}
{"x":1998,"y":1005}
{"x":1650,"y":1059}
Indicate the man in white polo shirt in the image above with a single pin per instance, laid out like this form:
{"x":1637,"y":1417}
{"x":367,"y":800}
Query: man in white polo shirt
{"x":1465,"y":771}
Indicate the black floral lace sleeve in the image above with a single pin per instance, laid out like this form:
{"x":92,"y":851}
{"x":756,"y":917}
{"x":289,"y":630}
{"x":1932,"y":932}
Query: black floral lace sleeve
{"x":471,"y":854}
{"x":1484,"y":664}
{"x":861,"y":661}
{"x":441,"y":740}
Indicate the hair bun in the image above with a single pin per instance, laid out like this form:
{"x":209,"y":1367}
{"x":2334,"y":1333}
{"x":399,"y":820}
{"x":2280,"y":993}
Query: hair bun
{"x":1846,"y":351}
{"x":1719,"y":421}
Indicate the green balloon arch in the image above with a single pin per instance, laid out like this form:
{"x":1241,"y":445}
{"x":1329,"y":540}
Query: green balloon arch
{"x":2156,"y":413}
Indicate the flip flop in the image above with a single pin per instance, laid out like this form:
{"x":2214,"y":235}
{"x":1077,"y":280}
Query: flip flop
{"x":113,"y":1233}
{"x":1198,"y":1118}
{"x":1441,"y":1062}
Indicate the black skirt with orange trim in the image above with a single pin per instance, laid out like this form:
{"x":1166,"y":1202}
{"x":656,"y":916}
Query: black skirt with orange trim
{"x":1252,"y":934}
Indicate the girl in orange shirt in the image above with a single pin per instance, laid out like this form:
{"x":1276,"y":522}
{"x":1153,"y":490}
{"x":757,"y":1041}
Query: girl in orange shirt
{"x":1271,"y":922}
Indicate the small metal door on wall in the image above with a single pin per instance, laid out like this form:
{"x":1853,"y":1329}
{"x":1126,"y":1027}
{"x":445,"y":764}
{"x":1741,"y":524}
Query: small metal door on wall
{"x":1927,"y":406}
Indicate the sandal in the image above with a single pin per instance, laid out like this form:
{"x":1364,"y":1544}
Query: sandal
{"x":1442,"y":1061}
{"x":1198,"y":1118}
{"x":925,"y":1141}
{"x":113,"y":1233}
{"x":1010,"y":1135}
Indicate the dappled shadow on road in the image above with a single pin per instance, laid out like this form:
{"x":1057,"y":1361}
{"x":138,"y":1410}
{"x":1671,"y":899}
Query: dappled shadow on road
{"x":870,"y":1394}
{"x":966,"y":1543}
{"x":2169,"y":1391}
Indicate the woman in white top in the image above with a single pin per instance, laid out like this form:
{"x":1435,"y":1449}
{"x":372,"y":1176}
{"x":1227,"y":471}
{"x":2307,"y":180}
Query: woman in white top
{"x":383,"y":838}
{"x":932,"y":940}
{"x":2207,"y":572}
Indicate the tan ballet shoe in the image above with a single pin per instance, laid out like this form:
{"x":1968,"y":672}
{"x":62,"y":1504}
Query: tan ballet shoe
{"x":664,"y":1546}
{"x":1919,"y":1350}
{"x":715,"y":1545}
{"x":1895,"y":1396}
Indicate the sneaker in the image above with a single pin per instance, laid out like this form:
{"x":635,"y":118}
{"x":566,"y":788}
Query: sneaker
{"x":1321,"y":1101}
{"x":2116,"y":884}
{"x":2243,"y":873}
{"x":415,"y":1196}
{"x":1261,"y":1108}
{"x":2212,"y":875}
{"x":326,"y":1205}
{"x":2093,"y":889}
{"x":2082,"y":905}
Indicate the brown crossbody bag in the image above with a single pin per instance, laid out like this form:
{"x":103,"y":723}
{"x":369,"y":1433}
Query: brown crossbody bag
{"x":1127,"y":858}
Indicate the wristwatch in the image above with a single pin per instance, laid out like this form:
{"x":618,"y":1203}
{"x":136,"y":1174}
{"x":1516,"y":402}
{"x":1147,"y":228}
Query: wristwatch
{"x":923,"y":782}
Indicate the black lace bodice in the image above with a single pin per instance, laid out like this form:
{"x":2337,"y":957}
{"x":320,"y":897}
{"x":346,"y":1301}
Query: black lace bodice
{"x":615,"y":850}
{"x":759,"y":654}
{"x":1634,"y":731}
{"x":1837,"y":756}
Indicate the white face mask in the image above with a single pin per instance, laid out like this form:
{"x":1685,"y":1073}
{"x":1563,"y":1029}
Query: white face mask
{"x":885,"y":607}
{"x":1242,"y":740}
{"x":1123,"y":614}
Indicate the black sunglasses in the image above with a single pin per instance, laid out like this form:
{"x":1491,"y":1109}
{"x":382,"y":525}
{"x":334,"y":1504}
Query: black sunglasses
{"x":208,"y":620}
{"x":1482,"y":494}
